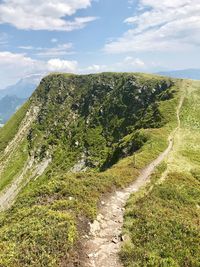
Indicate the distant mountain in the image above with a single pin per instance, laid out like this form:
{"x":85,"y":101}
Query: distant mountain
{"x":12,"y":97}
{"x":193,"y":74}
{"x":23,"y":88}
{"x":8,"y":106}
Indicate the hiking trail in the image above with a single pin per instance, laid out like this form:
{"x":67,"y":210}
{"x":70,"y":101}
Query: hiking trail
{"x":102,"y":245}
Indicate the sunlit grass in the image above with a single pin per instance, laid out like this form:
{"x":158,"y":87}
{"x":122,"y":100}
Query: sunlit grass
{"x":162,"y":221}
{"x":61,"y":200}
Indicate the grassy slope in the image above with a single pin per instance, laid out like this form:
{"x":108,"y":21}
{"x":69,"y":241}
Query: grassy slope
{"x":11,"y":127}
{"x":42,"y":225}
{"x":14,"y":160}
{"x":89,"y":115}
{"x":163,"y":224}
{"x":14,"y":165}
{"x":59,"y":99}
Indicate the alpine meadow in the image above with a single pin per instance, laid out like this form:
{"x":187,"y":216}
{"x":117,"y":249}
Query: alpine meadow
{"x":100,"y":133}
{"x":77,"y":140}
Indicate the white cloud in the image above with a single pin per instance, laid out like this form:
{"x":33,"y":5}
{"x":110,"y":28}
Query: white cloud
{"x":16,"y":66}
{"x":96,"y":68}
{"x":134,"y":62}
{"x":13,"y":66}
{"x":28,"y":47}
{"x":54,"y":40}
{"x":160,"y":26}
{"x":56,"y":51}
{"x":62,"y":65}
{"x":127,"y":64}
{"x":59,"y":50}
{"x":44,"y":15}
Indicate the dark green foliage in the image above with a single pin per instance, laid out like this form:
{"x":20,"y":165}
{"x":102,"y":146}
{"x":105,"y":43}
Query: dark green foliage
{"x":126,"y":147}
{"x":90,"y":115}
{"x":97,"y":118}
{"x":11,"y":127}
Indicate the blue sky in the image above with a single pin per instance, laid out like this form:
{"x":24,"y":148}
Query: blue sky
{"x":84,"y":36}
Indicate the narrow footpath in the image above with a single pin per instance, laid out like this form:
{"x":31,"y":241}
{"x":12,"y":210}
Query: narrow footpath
{"x":103,"y":243}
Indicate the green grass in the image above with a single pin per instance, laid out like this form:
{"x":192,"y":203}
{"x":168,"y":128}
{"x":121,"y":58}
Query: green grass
{"x":163,"y":225}
{"x":13,"y":162}
{"x":15,"y":165}
{"x":9,"y":130}
{"x":91,"y":114}
{"x":163,"y":222}
{"x":43,"y":225}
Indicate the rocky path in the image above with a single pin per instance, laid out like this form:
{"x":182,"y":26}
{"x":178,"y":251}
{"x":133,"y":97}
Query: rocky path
{"x":103,"y":243}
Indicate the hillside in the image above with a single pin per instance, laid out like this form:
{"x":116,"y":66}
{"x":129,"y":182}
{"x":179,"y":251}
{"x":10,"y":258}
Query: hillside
{"x":78,"y":138}
{"x":162,"y":221}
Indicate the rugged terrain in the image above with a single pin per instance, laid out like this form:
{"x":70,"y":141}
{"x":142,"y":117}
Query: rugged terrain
{"x":77,"y":140}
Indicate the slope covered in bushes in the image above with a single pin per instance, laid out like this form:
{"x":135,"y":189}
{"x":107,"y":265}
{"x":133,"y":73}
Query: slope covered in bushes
{"x":90,"y":123}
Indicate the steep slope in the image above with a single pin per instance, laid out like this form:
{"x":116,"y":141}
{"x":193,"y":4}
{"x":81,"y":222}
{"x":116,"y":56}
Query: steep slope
{"x":108,"y":125}
{"x":104,"y":108}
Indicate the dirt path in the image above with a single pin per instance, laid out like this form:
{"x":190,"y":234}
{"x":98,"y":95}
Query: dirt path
{"x":103,"y":243}
{"x":173,"y":136}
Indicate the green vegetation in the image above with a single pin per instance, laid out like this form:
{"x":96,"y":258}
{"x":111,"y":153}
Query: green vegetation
{"x":163,"y":223}
{"x":88,"y":116}
{"x":13,"y":154}
{"x":93,"y":117}
{"x":15,"y":165}
{"x":9,"y":130}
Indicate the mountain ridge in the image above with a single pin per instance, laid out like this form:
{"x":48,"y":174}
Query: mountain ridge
{"x":76,"y":139}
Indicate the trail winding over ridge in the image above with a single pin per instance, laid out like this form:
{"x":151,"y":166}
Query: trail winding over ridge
{"x":103,"y":244}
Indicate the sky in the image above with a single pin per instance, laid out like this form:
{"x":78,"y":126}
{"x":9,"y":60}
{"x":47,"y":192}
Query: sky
{"x":88,"y":36}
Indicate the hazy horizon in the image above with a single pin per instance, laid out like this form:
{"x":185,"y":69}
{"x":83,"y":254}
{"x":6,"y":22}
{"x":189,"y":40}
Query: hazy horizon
{"x":88,"y":36}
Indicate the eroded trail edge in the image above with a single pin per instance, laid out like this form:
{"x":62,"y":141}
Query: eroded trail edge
{"x":103,"y":243}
